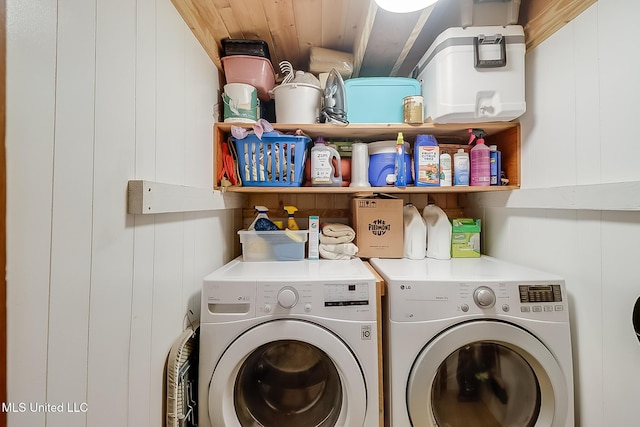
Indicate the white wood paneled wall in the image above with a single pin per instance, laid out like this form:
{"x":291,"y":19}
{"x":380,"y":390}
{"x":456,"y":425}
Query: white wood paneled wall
{"x":580,"y":130}
{"x":100,"y":92}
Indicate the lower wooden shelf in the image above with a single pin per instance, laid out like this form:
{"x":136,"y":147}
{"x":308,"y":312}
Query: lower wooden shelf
{"x":367,"y":190}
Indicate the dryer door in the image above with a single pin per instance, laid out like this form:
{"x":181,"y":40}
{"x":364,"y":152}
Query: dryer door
{"x":287,"y":373}
{"x":486,"y":373}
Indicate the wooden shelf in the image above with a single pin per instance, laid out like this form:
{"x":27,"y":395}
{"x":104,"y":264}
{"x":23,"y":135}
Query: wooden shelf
{"x":506,"y":135}
{"x":148,"y":197}
{"x":369,"y":190}
{"x":367,"y":132}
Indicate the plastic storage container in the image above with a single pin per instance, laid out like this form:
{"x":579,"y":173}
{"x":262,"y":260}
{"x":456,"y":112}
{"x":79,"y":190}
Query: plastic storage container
{"x":382,"y":160}
{"x":487,"y":12}
{"x":273,"y":245}
{"x":245,"y":47}
{"x":274,"y":161}
{"x":252,"y":70}
{"x":297,"y":102}
{"x":240,"y":103}
{"x":378,"y":99}
{"x":474,"y":74}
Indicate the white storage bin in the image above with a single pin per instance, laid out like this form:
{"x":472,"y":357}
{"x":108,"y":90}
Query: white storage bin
{"x":285,"y":245}
{"x":474,"y":74}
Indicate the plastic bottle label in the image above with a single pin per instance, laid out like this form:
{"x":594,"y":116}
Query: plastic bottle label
{"x":321,"y":169}
{"x":480,"y":167}
{"x":445,"y":170}
{"x":461,"y":170}
{"x":428,"y":171}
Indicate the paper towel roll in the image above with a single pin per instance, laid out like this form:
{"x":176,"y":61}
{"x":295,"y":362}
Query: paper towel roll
{"x":359,"y":165}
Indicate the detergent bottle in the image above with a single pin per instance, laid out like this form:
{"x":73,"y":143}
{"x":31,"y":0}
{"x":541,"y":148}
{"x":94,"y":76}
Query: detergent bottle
{"x":480,"y":159}
{"x":415,"y":233}
{"x":400,"y":165}
{"x":291,"y":221}
{"x":461,"y":168}
{"x":426,"y":154}
{"x":438,"y":232}
{"x":445,"y":169}
{"x":323,"y":158}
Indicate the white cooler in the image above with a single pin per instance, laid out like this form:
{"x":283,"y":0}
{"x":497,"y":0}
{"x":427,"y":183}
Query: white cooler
{"x":474,"y":74}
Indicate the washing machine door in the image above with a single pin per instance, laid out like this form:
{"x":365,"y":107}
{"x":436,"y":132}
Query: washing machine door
{"x":287,"y":373}
{"x":487,"y":373}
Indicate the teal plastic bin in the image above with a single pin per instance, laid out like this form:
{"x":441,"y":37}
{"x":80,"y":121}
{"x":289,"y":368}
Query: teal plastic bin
{"x":378,"y":99}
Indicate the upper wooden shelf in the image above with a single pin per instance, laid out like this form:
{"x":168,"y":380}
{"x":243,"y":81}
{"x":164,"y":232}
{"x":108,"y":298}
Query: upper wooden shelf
{"x":367,"y":132}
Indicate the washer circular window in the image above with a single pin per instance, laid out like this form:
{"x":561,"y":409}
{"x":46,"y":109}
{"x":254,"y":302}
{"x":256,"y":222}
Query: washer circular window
{"x":485,"y":384}
{"x":288,"y":383}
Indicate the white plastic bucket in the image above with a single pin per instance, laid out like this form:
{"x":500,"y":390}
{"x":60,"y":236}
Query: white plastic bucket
{"x":297,"y":103}
{"x":240,"y":103}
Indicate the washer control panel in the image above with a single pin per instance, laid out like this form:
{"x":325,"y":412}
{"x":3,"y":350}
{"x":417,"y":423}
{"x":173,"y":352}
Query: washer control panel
{"x":343,"y":300}
{"x":422,"y":301}
{"x":345,"y":294}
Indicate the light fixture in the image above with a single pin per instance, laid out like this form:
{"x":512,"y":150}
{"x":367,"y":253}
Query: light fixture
{"x":404,"y":6}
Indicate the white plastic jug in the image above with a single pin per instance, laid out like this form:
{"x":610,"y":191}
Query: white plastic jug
{"x":322,"y":160}
{"x":438,"y":232}
{"x":415,"y":233}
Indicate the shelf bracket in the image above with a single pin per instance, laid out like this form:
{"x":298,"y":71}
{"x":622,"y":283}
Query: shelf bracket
{"x":148,"y":197}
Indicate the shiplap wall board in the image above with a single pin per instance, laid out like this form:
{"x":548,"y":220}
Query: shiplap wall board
{"x":100,"y":93}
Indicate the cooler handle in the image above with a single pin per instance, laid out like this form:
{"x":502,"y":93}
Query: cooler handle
{"x":498,"y":39}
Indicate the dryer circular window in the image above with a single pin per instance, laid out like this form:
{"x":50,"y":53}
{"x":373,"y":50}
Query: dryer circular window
{"x":476,"y":342}
{"x":498,"y":375}
{"x":287,"y":373}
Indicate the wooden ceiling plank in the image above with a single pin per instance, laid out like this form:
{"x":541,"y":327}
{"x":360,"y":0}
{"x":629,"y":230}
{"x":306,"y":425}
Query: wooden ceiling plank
{"x":250,"y":14}
{"x":282,"y":23}
{"x":353,"y":11}
{"x":551,"y":18}
{"x":200,"y":28}
{"x":362,"y":38}
{"x":387,"y":39}
{"x":223,"y":9}
{"x":333,"y":23}
{"x":411,"y":40}
{"x":309,"y":27}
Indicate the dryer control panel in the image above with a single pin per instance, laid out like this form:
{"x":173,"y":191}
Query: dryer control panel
{"x":540,"y":293}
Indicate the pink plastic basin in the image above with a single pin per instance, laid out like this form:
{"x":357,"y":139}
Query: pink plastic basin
{"x":252,"y":70}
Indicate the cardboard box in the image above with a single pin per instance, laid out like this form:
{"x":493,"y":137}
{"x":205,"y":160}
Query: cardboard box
{"x":377,"y":221}
{"x":465,"y":238}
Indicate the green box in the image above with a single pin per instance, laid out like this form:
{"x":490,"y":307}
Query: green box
{"x":465,"y":238}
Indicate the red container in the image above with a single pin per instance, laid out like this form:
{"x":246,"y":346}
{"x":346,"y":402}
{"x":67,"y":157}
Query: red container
{"x":252,"y":70}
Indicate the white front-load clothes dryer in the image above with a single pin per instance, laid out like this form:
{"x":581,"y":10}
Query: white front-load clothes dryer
{"x":475,"y":342}
{"x":289,"y":344}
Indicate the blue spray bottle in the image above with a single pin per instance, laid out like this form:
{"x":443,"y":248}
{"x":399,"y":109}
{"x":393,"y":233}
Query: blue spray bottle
{"x":400,"y":165}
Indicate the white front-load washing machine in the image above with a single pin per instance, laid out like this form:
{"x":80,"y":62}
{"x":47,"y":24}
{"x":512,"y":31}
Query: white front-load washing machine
{"x":289,"y":344}
{"x":475,"y":342}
